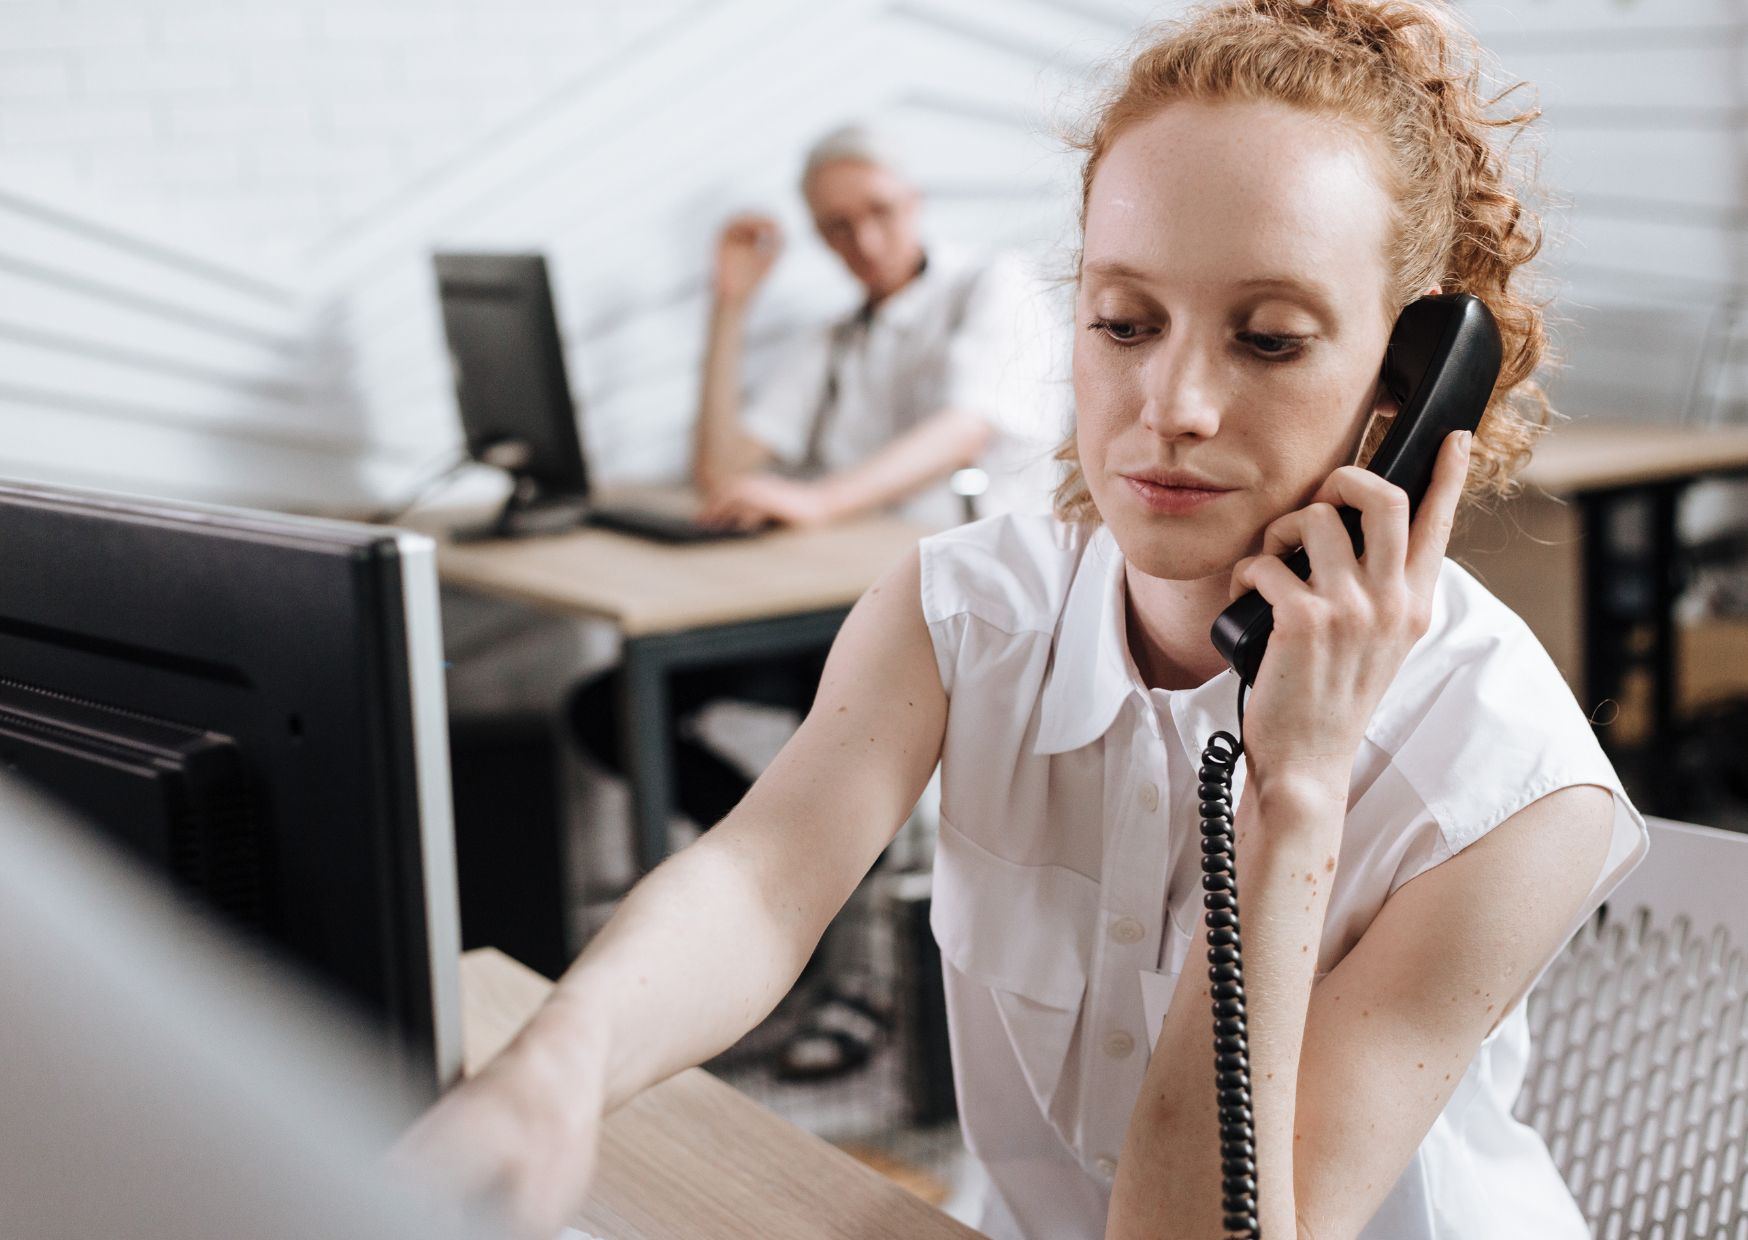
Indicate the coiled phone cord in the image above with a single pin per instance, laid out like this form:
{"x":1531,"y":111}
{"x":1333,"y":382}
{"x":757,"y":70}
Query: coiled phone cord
{"x":1226,"y":974}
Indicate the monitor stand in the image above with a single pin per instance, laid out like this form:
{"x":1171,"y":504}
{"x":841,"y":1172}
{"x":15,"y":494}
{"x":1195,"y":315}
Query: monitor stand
{"x":528,"y":513}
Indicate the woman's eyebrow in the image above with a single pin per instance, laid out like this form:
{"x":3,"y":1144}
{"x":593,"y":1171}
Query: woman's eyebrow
{"x":1116,"y":269}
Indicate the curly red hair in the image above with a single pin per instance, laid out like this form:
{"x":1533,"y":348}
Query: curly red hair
{"x":1412,"y":77}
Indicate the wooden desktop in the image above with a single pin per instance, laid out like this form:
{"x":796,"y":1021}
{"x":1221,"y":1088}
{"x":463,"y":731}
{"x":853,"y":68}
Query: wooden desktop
{"x":692,"y":1157}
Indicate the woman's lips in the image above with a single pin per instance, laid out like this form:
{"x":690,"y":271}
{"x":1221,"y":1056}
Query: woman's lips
{"x":1173,"y":500}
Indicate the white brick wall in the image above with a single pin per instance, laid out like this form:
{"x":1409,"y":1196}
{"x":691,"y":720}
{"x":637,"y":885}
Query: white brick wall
{"x":327,"y":146}
{"x":267,"y":126}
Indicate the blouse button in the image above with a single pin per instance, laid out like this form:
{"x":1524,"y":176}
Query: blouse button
{"x":1107,"y":1166}
{"x":1150,"y":797}
{"x":1127,"y":930}
{"x":1119,"y":1045}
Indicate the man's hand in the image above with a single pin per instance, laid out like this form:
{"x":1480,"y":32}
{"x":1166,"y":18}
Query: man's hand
{"x":746,"y":250}
{"x":752,"y":500}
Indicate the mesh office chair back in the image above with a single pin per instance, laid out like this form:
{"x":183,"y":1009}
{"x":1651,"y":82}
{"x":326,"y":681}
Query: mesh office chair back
{"x":1640,"y":1078}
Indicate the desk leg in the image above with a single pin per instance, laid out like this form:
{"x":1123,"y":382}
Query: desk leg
{"x":645,"y":701}
{"x":1668,"y":582}
{"x":1628,"y":592}
{"x":649,"y":751}
{"x":1604,"y":645}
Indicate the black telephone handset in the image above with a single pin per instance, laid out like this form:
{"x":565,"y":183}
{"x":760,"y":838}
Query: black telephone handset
{"x":1441,"y":364}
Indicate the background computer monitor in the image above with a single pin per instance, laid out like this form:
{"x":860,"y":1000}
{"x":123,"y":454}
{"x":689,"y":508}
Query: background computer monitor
{"x":253,"y":704}
{"x":508,"y":364}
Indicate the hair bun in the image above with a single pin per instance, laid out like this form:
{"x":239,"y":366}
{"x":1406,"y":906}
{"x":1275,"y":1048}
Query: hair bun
{"x":1412,"y":36}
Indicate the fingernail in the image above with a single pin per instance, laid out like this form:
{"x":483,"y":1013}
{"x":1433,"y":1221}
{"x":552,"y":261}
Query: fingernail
{"x":1468,"y":440}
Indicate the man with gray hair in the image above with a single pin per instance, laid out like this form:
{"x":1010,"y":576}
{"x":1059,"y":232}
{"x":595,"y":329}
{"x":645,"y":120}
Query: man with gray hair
{"x":940,"y":367}
{"x":943,"y":365}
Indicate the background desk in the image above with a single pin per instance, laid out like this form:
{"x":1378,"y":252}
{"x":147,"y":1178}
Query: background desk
{"x":1589,"y":555}
{"x":693,"y":1158}
{"x":681,"y":606}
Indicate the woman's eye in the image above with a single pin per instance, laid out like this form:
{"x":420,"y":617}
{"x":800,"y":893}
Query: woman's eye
{"x":1119,"y":330}
{"x":1272,"y":346}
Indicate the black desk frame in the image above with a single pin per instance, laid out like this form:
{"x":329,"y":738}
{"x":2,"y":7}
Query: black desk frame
{"x":1655,"y":578}
{"x":648,"y":661}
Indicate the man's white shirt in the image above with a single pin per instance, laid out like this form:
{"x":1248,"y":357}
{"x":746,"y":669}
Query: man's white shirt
{"x":965,"y":334}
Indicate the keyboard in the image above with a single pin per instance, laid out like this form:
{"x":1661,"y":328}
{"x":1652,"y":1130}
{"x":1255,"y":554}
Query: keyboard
{"x":660,"y":524}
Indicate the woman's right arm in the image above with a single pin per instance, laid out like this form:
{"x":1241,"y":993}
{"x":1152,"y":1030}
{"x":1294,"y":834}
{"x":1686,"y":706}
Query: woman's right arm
{"x":705,"y":946}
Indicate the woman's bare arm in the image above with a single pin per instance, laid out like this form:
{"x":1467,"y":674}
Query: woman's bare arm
{"x":706,"y":945}
{"x":1386,"y":1036}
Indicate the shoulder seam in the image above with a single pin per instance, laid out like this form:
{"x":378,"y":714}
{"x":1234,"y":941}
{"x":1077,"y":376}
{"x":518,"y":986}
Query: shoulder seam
{"x":1004,"y":629}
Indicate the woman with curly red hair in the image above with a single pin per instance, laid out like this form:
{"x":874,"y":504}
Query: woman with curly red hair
{"x":1423,"y":815}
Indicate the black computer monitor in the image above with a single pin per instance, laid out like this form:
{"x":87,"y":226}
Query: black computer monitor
{"x":516,"y":409}
{"x":253,"y":705}
{"x":511,"y":390}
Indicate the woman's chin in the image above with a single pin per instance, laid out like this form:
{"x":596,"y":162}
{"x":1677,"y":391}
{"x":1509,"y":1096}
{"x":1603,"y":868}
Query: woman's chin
{"x":1170,"y":553}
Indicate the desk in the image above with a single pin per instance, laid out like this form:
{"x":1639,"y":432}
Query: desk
{"x":680,"y":606}
{"x":1563,"y":556}
{"x":694,"y":1158}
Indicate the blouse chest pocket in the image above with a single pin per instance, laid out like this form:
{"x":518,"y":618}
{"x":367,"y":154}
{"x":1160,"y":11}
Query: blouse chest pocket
{"x":1157,"y":985}
{"x":1025,"y":932}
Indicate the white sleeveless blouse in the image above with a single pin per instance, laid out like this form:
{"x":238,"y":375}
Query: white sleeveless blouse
{"x":1066,"y":878}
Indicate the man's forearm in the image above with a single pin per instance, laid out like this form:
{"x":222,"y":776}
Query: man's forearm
{"x":721,"y":448}
{"x":1169,"y":1182}
{"x":949,"y":440}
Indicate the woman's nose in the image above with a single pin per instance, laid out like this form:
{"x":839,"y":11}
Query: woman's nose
{"x":1182,"y":398}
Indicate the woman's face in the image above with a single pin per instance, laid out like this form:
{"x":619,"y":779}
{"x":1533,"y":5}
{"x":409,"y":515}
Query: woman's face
{"x":1234,"y":307}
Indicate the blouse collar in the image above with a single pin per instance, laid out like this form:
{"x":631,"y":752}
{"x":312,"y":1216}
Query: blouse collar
{"x":1092,"y":672}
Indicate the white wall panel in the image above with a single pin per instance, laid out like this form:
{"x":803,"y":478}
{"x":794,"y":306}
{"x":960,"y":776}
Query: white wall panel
{"x":1644,"y":133}
{"x":216,"y":221}
{"x":1501,"y":20}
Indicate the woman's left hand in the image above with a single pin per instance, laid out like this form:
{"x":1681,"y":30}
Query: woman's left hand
{"x":1340,"y":637}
